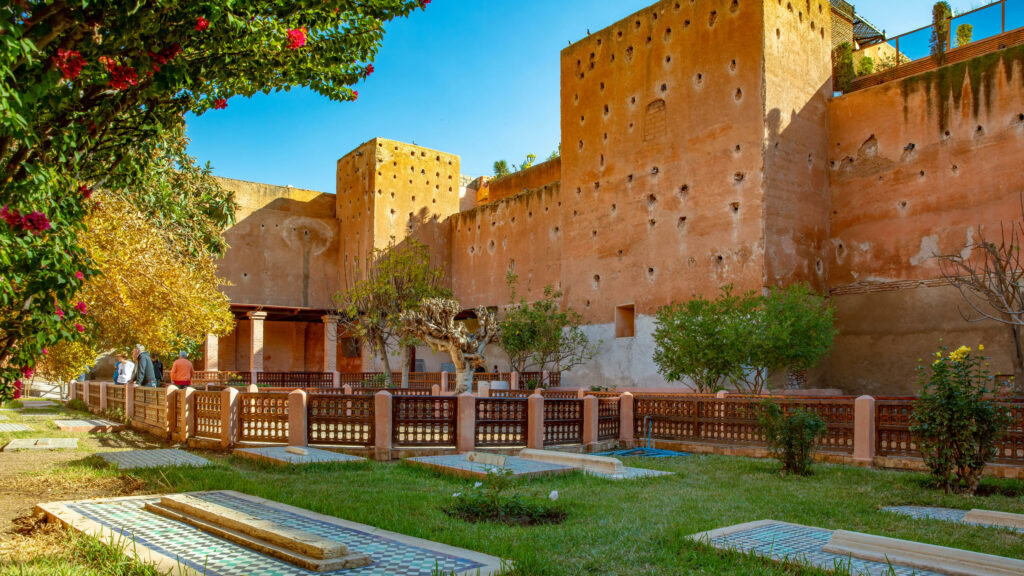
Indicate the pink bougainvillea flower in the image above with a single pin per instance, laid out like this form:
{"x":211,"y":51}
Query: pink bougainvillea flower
{"x":368,"y":71}
{"x":121,"y":77}
{"x":296,"y":38}
{"x":355,"y":95}
{"x":220,"y":104}
{"x":60,"y":313}
{"x":69,"y":62}
{"x":165,"y":55}
{"x":85,"y":191}
{"x":13,"y":218}
{"x":202,"y":24}
{"x":423,"y":3}
{"x":79,"y":275}
{"x":45,"y":351}
{"x":79,"y":327}
{"x":36,"y":222}
{"x":81,"y":307}
{"x":27,"y":372}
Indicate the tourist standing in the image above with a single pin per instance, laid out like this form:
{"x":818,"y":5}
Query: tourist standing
{"x":144,"y":375}
{"x":158,"y":369}
{"x":181,"y":371}
{"x":125,"y":369}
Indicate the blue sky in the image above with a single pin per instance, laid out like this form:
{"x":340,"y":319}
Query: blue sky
{"x":477,"y":78}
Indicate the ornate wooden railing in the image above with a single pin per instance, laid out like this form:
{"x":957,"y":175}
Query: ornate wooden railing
{"x":262,"y":417}
{"x":207,"y":413}
{"x":418,"y":421}
{"x":340,"y":420}
{"x":298,"y":379}
{"x":607,"y":418}
{"x":394,"y":391}
{"x":501,"y":421}
{"x":115,"y":397}
{"x":510,"y":393}
{"x":563,"y":421}
{"x":150,"y":406}
{"x":203,"y":378}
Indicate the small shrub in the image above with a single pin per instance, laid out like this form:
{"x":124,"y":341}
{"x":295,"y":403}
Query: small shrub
{"x":78,"y":404}
{"x":964,"y":34}
{"x":842,"y":67}
{"x":865,"y":66}
{"x":116,"y":415}
{"x":495,"y":502}
{"x":955,"y":425}
{"x":791,"y":436}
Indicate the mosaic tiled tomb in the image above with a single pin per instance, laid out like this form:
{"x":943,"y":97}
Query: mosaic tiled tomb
{"x":79,"y":425}
{"x":459,"y":465}
{"x":130,"y":459}
{"x":42,"y":444}
{"x":280,"y":455}
{"x":169,"y":542}
{"x":9,"y":427}
{"x":946,"y":514}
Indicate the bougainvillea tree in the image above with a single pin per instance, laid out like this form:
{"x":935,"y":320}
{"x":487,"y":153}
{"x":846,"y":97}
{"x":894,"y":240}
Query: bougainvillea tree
{"x":85,"y":85}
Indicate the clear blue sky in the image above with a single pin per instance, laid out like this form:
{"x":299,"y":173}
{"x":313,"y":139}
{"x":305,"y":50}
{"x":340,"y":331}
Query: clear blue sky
{"x":477,"y":78}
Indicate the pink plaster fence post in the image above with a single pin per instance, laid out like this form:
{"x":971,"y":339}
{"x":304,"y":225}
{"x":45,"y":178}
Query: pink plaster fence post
{"x":435,"y":390}
{"x":170,"y":412}
{"x":722,"y":394}
{"x":228,"y":416}
{"x":581,"y":393}
{"x":535,"y":421}
{"x":864,"y":430}
{"x":545,"y":383}
{"x":187,"y":424}
{"x":103,"y":396}
{"x":347,"y":389}
{"x":513,"y":381}
{"x":590,"y":415}
{"x":444,"y":381}
{"x":336,"y":379}
{"x":466,"y":424}
{"x":129,"y":401}
{"x":85,"y":392}
{"x":253,"y":387}
{"x":297,"y":430}
{"x":483,"y":390}
{"x":626,"y":418}
{"x":382,"y":425}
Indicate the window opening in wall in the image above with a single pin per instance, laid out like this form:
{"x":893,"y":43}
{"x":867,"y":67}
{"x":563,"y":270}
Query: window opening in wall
{"x":625,"y":321}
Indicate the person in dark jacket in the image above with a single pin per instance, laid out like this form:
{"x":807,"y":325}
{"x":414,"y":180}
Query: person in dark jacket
{"x":143,"y":367}
{"x":158,"y":369}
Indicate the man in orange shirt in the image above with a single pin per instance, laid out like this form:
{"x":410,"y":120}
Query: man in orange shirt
{"x":181,"y":371}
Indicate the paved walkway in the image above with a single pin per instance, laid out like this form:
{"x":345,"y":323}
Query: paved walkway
{"x":159,"y":458}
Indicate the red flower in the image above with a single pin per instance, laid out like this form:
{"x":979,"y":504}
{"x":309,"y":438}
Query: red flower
{"x":60,"y":313}
{"x":355,"y":95}
{"x":423,"y":3}
{"x":202,"y":24}
{"x":45,"y":351}
{"x":121,"y":77}
{"x":220,"y":104}
{"x":165,"y":55}
{"x":12,"y":217}
{"x":69,"y":62}
{"x":27,"y":372}
{"x":80,"y":307}
{"x":296,"y":38}
{"x":36,"y":222}
{"x":17,"y":389}
{"x":79,"y":327}
{"x":85,"y":191}
{"x":79,"y":275}
{"x":368,"y":71}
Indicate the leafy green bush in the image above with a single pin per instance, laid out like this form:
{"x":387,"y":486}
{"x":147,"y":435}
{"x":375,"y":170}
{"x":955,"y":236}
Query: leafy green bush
{"x":865,"y":66}
{"x":78,"y":404}
{"x":956,"y":427}
{"x":842,"y":67}
{"x":791,"y":435}
{"x":699,"y":340}
{"x":117,"y":415}
{"x":941,"y":13}
{"x":494,"y":501}
{"x":964,"y":34}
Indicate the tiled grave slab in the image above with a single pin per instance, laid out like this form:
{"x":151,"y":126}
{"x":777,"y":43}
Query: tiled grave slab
{"x":2,"y":417}
{"x":458,"y":465}
{"x":42,"y":444}
{"x":130,"y":459}
{"x":168,"y":542}
{"x":38,"y":404}
{"x":946,"y":514}
{"x":280,"y":455}
{"x":9,"y":427}
{"x":88,"y":425}
{"x":796,"y":543}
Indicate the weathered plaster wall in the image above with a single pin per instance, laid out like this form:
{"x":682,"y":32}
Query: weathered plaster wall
{"x":536,"y":176}
{"x":283,"y":248}
{"x":919,"y":167}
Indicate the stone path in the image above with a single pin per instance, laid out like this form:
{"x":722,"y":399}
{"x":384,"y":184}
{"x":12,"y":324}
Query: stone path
{"x":792,"y":542}
{"x":946,"y":514}
{"x":8,"y":427}
{"x":159,"y":458}
{"x":280,"y":455}
{"x":88,"y":425}
{"x":170,"y":542}
{"x":42,"y":444}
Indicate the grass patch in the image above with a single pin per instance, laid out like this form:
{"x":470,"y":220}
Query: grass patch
{"x":75,"y":554}
{"x":500,"y":498}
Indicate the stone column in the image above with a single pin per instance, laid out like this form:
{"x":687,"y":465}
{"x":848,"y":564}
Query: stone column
{"x":382,"y":425}
{"x":103,"y":396}
{"x":590,"y":405}
{"x":211,"y":353}
{"x":444,"y":381}
{"x":297,"y":430}
{"x":256,"y":342}
{"x":864,"y":431}
{"x":187,"y":424}
{"x":228,"y":417}
{"x":330,"y":342}
{"x":535,"y":422}
{"x":513,"y":381}
{"x":466,"y":425}
{"x":626,"y":418}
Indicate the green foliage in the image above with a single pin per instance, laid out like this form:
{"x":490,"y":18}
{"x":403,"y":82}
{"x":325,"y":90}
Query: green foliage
{"x":842,"y":67}
{"x":88,"y":90}
{"x":527,"y":163}
{"x":941,"y":13}
{"x":495,"y":501}
{"x":116,"y":415}
{"x":699,"y":340}
{"x":866,"y":66}
{"x":540,"y":335}
{"x":556,"y":153}
{"x":791,"y":435}
{"x":78,"y":404}
{"x":501,"y":169}
{"x":12,"y":404}
{"x":955,"y":425}
{"x":964,"y":34}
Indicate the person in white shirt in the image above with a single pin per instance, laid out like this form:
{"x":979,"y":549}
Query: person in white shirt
{"x":125,"y":370}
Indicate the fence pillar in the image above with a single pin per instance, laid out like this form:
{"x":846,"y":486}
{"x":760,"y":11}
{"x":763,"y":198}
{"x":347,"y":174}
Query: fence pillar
{"x":170,"y":411}
{"x":864,"y":430}
{"x":85,"y":392}
{"x":253,"y":387}
{"x":187,"y":424}
{"x":466,"y":425}
{"x":330,"y":342}
{"x":347,"y":389}
{"x":581,"y":393}
{"x":335,"y":379}
{"x":211,"y":346}
{"x":545,"y":383}
{"x":722,"y":394}
{"x":253,"y":380}
{"x":382,"y":425}
{"x":590,"y":405}
{"x":228,"y":416}
{"x":129,"y":401}
{"x":72,"y":390}
{"x":626,"y":418}
{"x":435,"y":390}
{"x":513,"y":381}
{"x":444,"y":381}
{"x":483,"y":390}
{"x":297,"y":430}
{"x":256,"y":342}
{"x":535,"y":421}
{"x":103,"y":396}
